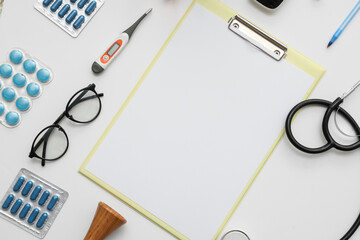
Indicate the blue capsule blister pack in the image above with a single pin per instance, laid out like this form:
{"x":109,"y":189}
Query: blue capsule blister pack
{"x":22,"y":78}
{"x":32,"y":203}
{"x":70,"y":15}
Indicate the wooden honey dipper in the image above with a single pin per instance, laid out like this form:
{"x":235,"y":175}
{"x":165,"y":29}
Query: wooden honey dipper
{"x":105,"y":221}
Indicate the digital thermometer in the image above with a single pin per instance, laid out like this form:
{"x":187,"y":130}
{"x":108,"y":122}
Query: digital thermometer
{"x":115,"y":48}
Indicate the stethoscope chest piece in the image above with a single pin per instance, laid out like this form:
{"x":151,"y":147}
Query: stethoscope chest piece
{"x":235,"y":235}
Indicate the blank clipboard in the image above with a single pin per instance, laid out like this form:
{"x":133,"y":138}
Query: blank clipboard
{"x":202,"y":121}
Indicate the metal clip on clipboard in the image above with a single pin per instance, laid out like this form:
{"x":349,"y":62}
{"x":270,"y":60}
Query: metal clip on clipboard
{"x":257,"y":37}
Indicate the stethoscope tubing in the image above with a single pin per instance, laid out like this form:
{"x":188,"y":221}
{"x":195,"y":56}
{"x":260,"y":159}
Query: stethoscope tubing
{"x":331,"y":143}
{"x":331,"y":107}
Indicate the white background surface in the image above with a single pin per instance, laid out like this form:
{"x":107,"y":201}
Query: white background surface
{"x":297,"y":196}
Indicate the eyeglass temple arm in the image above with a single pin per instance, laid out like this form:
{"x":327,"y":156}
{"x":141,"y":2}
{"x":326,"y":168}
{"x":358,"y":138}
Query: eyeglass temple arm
{"x":44,"y":140}
{"x":46,"y":136}
{"x":48,"y":132}
{"x":44,"y":147}
{"x":57,"y":121}
{"x":80,"y":99}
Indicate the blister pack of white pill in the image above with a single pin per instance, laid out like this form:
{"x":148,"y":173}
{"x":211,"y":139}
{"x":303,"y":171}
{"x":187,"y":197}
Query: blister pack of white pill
{"x":22,"y":78}
{"x":70,"y":15}
{"x":32,"y":203}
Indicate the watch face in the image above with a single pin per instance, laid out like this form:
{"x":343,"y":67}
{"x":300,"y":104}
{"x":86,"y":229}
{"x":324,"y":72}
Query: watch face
{"x":270,"y":3}
{"x":235,"y":235}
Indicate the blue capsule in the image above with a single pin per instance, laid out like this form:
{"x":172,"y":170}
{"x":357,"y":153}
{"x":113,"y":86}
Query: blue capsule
{"x":29,"y":65}
{"x":90,"y":8}
{"x":35,"y":193}
{"x":2,"y":108}
{"x":44,"y":197}
{"x":24,"y":211}
{"x":52,"y":203}
{"x":64,"y":10}
{"x":16,"y":206}
{"x":8,"y":94}
{"x":47,"y":2}
{"x":27,"y":188}
{"x":79,"y":22}
{"x":16,"y":56}
{"x":6,"y":70}
{"x":82,"y":3}
{"x":12,"y":118}
{"x":42,"y":220}
{"x":56,"y":5}
{"x":33,"y":89}
{"x":18,"y":184}
{"x":8,"y":201}
{"x":33,"y":215}
{"x":19,"y":80}
{"x":43,"y":75}
{"x":22,"y":103}
{"x":73,"y":1}
{"x":71,"y":16}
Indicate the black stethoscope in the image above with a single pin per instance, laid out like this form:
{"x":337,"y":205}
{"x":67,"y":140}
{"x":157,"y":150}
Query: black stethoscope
{"x":332,"y":107}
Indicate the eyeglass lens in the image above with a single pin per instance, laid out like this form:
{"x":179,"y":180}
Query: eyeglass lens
{"x":51,"y":143}
{"x":84,"y":106}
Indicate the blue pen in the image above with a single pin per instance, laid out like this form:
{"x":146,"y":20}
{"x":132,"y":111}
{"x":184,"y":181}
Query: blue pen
{"x":344,"y":24}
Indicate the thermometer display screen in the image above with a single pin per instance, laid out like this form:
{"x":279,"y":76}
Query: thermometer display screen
{"x":113,"y":49}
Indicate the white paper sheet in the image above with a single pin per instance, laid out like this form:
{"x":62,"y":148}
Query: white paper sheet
{"x":199,"y":126}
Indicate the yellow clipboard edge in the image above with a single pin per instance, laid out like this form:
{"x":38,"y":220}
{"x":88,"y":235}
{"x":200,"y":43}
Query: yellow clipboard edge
{"x":224,"y":12}
{"x":317,"y":72}
{"x":314,"y":70}
{"x":320,"y":73}
{"x":104,"y":185}
{"x":137,"y":86}
{"x":308,"y":66}
{"x":294,"y":57}
{"x":132,"y":204}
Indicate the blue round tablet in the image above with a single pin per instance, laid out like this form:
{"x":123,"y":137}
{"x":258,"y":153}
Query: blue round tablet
{"x":8,"y":94}
{"x":22,"y":103}
{"x":33,"y":89}
{"x":2,"y":108}
{"x":16,"y":56}
{"x":6,"y":70}
{"x":12,"y":118}
{"x":19,"y":80}
{"x":43,"y":75}
{"x":29,"y":65}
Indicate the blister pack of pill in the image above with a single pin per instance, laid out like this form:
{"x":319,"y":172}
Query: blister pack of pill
{"x":22,"y":78}
{"x":70,"y":15}
{"x":32,"y":203}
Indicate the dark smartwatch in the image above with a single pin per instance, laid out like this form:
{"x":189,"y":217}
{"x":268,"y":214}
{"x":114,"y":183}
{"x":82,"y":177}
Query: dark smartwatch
{"x":272,"y":4}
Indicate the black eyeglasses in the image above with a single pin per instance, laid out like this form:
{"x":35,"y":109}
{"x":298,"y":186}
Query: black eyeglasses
{"x":52,"y":142}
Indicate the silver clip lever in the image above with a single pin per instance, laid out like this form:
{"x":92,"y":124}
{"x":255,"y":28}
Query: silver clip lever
{"x":257,"y":37}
